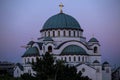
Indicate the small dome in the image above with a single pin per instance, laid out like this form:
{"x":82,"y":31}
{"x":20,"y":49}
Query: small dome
{"x":61,"y":21}
{"x":32,"y":51}
{"x":96,"y":61}
{"x":105,"y":63}
{"x":73,"y":50}
{"x":93,"y":40}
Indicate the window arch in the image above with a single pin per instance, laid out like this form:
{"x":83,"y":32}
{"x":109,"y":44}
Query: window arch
{"x":77,"y":33}
{"x":69,"y":58}
{"x":32,"y":59}
{"x":45,"y":34}
{"x":64,"y":33}
{"x":74,"y":58}
{"x":49,"y":48}
{"x":74,"y":33}
{"x":28,"y":60}
{"x":69,"y":33}
{"x":48,"y":33}
{"x":58,"y":33}
{"x":86,"y":58}
{"x":53,"y":33}
{"x":95,"y":49}
{"x":25,"y":60}
{"x":83,"y":59}
{"x":79,"y":58}
{"x":65,"y":59}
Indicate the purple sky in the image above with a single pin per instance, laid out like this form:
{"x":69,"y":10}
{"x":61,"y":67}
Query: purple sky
{"x":21,"y":20}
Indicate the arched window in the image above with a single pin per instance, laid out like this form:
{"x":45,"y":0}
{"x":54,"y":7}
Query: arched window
{"x":95,"y":49}
{"x":25,"y":60}
{"x":28,"y":60}
{"x":86,"y":58}
{"x":74,"y":33}
{"x":79,"y":58}
{"x":45,"y":34}
{"x":53,"y":33}
{"x":77,"y":33}
{"x":49,"y":48}
{"x":32,"y":59}
{"x":65,"y":59}
{"x":69,"y":33}
{"x":69,"y":58}
{"x":58,"y":33}
{"x":48,"y":33}
{"x":64,"y":34}
{"x":74,"y":58}
{"x":83,"y":59}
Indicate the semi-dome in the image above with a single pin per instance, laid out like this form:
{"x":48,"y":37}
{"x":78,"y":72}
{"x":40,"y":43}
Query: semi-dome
{"x":73,"y":50}
{"x":93,"y":40}
{"x":32,"y":51}
{"x":61,"y":21}
{"x":96,"y":61}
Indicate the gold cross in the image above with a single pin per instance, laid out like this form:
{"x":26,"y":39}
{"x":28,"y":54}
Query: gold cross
{"x":61,"y":6}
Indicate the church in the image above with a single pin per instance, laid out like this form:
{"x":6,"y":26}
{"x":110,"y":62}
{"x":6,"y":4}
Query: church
{"x":62,"y":36}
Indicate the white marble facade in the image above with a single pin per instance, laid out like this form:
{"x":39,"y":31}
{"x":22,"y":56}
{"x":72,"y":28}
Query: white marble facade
{"x":61,"y":37}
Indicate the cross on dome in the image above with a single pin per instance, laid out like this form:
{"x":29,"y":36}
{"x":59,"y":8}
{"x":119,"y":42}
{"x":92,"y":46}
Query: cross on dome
{"x":61,"y":6}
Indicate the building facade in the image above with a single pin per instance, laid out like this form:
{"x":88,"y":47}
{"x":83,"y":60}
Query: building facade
{"x":6,"y":68}
{"x":62,"y":36}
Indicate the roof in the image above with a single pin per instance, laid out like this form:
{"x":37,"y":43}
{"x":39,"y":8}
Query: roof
{"x":61,"y":21}
{"x":48,"y":39}
{"x":93,"y":40}
{"x":96,"y":61}
{"x":31,"y":43}
{"x":20,"y":66}
{"x":83,"y":43}
{"x":40,"y":45}
{"x":73,"y":50}
{"x":105,"y":62}
{"x":32,"y":51}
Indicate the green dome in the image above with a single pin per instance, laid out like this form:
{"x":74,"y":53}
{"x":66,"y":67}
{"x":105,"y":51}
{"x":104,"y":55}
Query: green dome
{"x":93,"y":40}
{"x":32,"y":51}
{"x":73,"y":50}
{"x":61,"y":21}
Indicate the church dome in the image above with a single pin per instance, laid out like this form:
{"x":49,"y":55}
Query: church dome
{"x":93,"y":40}
{"x":32,"y":51}
{"x":61,"y":21}
{"x":73,"y":50}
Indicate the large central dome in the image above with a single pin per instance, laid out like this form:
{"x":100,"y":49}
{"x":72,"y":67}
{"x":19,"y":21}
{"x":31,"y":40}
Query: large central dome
{"x":61,"y":21}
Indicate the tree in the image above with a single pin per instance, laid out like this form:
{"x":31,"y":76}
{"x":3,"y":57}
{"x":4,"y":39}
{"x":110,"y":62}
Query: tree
{"x":44,"y":67}
{"x":27,"y":76}
{"x":47,"y":68}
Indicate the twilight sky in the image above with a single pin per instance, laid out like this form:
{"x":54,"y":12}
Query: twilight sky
{"x":21,"y":20}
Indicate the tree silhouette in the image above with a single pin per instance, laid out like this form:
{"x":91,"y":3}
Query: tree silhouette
{"x":47,"y":68}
